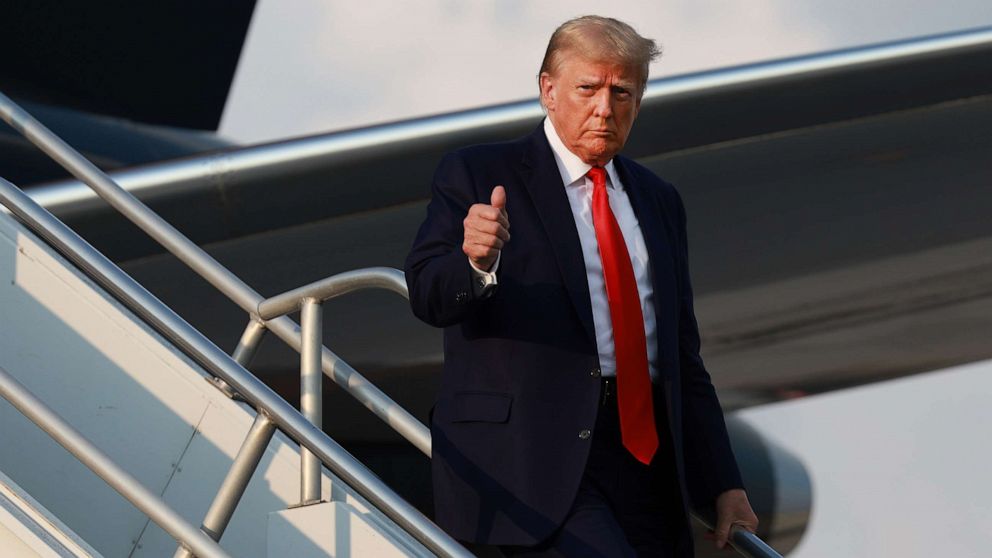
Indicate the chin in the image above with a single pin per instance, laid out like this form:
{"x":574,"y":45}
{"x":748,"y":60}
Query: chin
{"x":604,"y":156}
{"x":599,"y":153}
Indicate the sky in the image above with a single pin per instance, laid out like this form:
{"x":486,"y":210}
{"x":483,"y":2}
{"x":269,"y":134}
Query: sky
{"x":312,"y":66}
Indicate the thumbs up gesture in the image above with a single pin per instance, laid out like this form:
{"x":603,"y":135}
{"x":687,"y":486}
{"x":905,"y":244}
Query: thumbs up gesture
{"x":487,"y":229}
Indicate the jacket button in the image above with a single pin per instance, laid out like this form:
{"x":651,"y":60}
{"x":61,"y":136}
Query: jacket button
{"x":461,"y":297}
{"x":595,"y":372}
{"x":584,"y":434}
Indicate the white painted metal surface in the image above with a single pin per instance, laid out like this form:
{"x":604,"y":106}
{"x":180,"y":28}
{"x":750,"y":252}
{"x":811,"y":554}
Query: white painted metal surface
{"x":331,"y":529}
{"x":28,"y":530}
{"x":899,"y":468}
{"x":139,"y":400}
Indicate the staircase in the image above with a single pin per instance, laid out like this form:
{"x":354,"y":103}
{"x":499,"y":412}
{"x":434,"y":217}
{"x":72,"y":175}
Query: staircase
{"x":148,"y":429}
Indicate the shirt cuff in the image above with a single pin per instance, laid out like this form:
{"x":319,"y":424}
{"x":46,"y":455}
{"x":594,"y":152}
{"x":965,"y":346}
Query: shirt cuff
{"x":484,"y":282}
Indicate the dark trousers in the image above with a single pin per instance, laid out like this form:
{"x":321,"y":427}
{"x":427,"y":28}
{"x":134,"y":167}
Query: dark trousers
{"x":623,"y":508}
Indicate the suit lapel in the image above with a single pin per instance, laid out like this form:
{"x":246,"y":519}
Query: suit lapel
{"x":551,"y":203}
{"x":658,"y":241}
{"x":653,"y":226}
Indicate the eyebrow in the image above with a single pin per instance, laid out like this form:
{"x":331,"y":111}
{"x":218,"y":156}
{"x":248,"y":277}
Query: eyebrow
{"x":625,"y":83}
{"x":589,"y":79}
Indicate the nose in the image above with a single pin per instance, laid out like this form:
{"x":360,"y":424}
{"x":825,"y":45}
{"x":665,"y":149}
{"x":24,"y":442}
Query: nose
{"x":604,"y":103}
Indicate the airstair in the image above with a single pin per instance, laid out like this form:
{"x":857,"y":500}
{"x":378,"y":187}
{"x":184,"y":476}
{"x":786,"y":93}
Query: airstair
{"x":124,"y":431}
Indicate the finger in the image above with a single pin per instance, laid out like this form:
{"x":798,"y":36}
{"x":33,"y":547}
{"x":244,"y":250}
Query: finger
{"x":482,"y":238}
{"x":490,"y":228}
{"x":486,"y":226}
{"x":498,"y":198}
{"x":751,"y":526}
{"x":503,"y":219}
{"x":473,"y":225}
{"x":486,"y":241}
{"x":487,"y":212}
{"x":722,"y":532}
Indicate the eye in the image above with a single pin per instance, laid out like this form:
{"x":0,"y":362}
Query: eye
{"x":621,"y":92}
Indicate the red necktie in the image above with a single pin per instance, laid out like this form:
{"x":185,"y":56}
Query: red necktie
{"x":633,"y":380}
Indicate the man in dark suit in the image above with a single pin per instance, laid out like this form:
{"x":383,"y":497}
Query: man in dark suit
{"x":575,"y":417}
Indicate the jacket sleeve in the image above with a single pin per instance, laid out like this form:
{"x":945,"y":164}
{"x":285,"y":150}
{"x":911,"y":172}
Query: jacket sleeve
{"x":711,"y":468}
{"x":438,"y":273}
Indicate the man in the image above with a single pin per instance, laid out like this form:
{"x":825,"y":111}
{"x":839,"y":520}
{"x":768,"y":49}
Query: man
{"x":575,"y":417}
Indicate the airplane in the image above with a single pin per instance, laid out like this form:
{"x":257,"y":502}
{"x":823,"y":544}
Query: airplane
{"x":864,"y":172}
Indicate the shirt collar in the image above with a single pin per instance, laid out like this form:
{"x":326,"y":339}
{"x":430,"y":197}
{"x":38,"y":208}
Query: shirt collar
{"x":570,"y":167}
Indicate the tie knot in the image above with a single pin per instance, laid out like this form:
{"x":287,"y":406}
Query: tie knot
{"x":598,"y":176}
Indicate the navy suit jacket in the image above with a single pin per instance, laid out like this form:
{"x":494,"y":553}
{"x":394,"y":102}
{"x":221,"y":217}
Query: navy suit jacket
{"x":520,"y":380}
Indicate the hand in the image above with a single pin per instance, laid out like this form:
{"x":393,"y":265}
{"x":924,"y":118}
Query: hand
{"x":487,"y":229}
{"x":732,"y":508}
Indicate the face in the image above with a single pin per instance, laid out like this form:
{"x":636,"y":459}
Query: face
{"x":592,"y":105}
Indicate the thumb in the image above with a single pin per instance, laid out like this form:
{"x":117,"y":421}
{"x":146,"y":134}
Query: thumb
{"x":498,"y":198}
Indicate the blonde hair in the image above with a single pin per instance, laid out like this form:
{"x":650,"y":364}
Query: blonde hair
{"x":601,"y":39}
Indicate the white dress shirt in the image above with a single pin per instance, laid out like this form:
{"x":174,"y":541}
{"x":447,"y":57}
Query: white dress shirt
{"x":578,"y":188}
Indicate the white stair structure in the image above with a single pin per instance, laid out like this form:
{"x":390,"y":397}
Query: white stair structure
{"x":150,"y":408}
{"x":28,"y":530}
{"x":93,"y":363}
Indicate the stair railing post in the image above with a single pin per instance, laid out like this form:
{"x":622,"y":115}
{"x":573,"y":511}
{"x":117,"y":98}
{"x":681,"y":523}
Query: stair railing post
{"x":232,"y":489}
{"x":311,"y":393}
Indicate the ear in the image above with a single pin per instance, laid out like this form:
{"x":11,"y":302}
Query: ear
{"x":548,"y":91}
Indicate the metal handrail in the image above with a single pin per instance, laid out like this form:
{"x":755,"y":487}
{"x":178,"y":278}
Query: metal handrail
{"x":745,"y":542}
{"x":220,"y":364}
{"x":95,"y":460}
{"x":342,"y":463}
{"x":197,"y":259}
{"x":249,"y":456}
{"x":748,"y":544}
{"x":294,"y":424}
{"x":336,"y":285}
{"x":309,"y":300}
{"x":311,"y":437}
